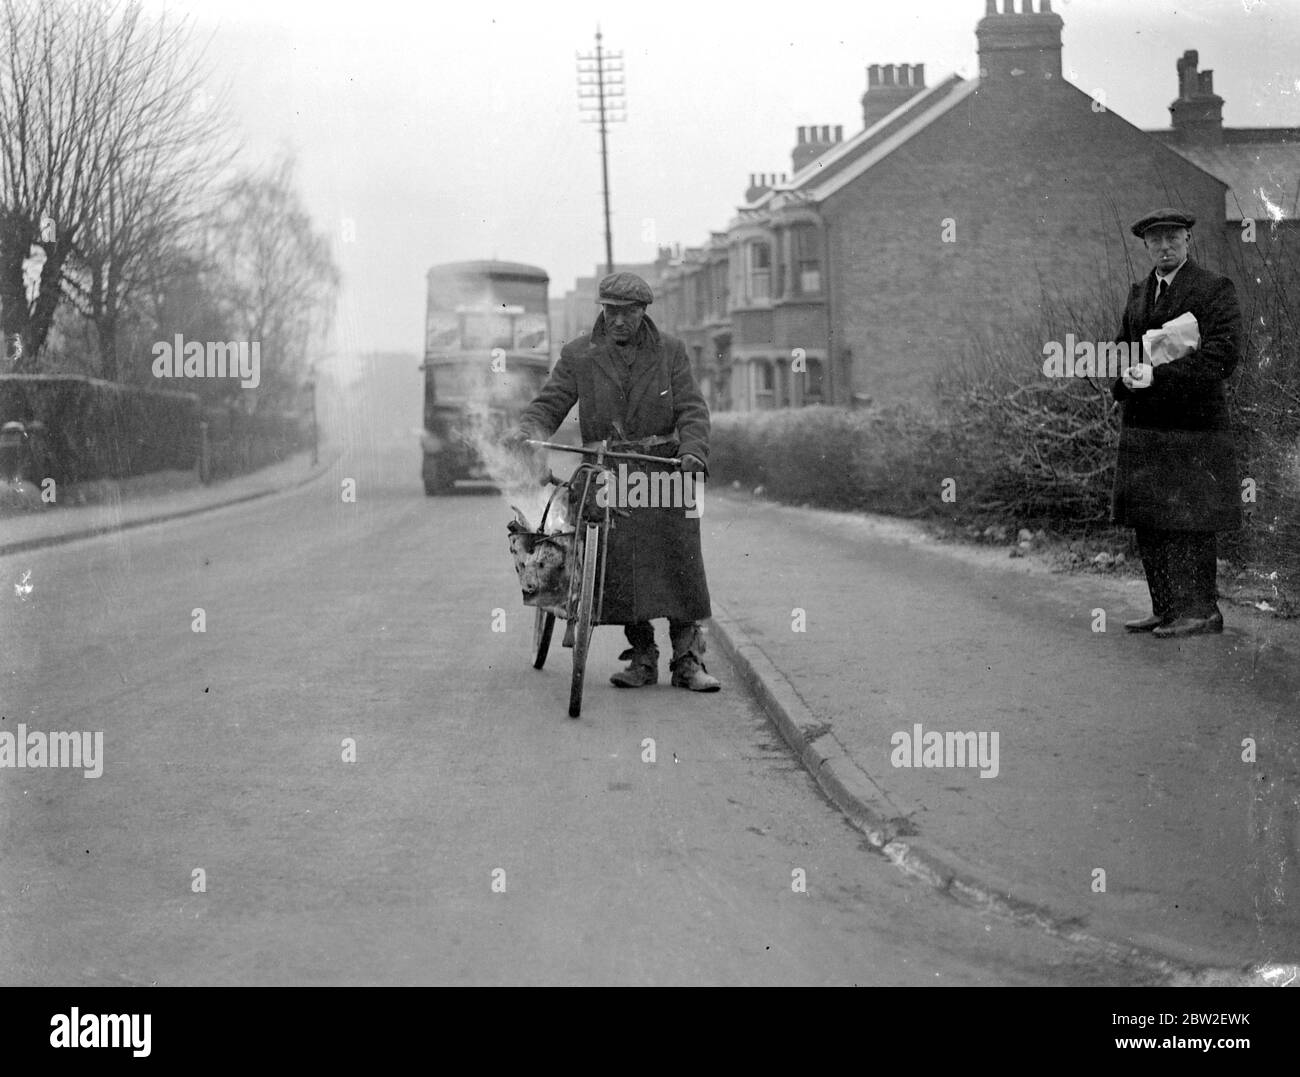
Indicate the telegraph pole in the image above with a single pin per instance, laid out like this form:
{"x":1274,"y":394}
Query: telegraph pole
{"x":600,"y":98}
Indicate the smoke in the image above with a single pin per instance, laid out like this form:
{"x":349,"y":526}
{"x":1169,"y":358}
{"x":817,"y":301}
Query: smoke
{"x":517,"y":476}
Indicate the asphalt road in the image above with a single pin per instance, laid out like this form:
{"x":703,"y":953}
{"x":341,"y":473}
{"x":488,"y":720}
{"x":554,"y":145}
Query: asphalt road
{"x":228,"y":841}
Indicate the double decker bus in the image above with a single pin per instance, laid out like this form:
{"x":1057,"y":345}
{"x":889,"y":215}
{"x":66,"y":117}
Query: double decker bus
{"x":487,"y":352}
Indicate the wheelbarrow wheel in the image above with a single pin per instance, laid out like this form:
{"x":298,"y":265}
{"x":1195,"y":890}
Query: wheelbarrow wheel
{"x":582,"y":617}
{"x":543,"y":626}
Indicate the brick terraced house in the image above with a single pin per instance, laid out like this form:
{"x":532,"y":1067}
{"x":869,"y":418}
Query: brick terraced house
{"x":947,"y":218}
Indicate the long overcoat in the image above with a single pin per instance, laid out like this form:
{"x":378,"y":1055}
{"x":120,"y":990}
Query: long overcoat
{"x":655,"y":567}
{"x":1177,"y":468}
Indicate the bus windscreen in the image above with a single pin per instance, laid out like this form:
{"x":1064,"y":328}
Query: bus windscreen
{"x":477,"y":381}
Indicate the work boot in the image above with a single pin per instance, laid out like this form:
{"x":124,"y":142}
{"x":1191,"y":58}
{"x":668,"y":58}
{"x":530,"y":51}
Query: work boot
{"x":689,"y":672}
{"x":644,"y":669}
{"x":688,"y":659}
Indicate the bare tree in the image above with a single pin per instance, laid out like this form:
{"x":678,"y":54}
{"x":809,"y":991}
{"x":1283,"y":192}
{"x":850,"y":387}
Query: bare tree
{"x":99,"y":135}
{"x":279,"y":276}
{"x":173,"y":144}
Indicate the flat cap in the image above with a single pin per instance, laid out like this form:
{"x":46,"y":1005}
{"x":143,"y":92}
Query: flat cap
{"x":622,"y":289}
{"x":1163,"y":216}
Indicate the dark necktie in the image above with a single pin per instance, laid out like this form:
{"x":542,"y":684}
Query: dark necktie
{"x":1161,"y":288}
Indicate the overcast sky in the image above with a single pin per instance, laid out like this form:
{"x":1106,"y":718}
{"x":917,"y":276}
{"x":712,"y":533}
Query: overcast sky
{"x":452,"y":131}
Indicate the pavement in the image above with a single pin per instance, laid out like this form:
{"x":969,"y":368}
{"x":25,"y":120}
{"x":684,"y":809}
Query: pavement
{"x":1123,"y":808}
{"x":1116,"y":805}
{"x":119,"y":505}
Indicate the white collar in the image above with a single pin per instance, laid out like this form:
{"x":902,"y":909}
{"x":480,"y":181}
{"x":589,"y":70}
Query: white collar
{"x":1169,"y":277}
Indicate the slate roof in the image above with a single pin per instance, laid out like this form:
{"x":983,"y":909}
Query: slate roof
{"x":849,"y":159}
{"x":1260,"y":165}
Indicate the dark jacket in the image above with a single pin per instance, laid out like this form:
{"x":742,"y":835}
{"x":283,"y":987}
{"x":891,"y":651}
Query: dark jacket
{"x":1177,"y":468}
{"x":655,"y":566}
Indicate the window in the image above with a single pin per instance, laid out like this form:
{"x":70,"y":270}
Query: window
{"x":781,"y":270}
{"x":814,"y":383}
{"x":807,"y":260}
{"x":719,"y":297}
{"x":764,"y":384}
{"x":483,"y":330}
{"x":760,"y":271}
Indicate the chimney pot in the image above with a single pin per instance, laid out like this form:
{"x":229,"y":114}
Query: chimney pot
{"x":873,"y":75}
{"x":895,"y":84}
{"x":799,"y":132}
{"x":1188,"y":79}
{"x":1045,"y":7}
{"x":826,"y":133}
{"x":1020,"y":46}
{"x":839,"y":132}
{"x":1197,"y":114}
{"x":991,"y":7}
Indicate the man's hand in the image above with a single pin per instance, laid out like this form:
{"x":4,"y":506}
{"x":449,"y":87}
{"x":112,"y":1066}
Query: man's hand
{"x":516,"y":441}
{"x":691,"y":462}
{"x":1137,"y":376}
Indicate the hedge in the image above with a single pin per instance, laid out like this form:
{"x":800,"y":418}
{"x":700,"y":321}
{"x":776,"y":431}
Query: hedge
{"x":99,"y":429}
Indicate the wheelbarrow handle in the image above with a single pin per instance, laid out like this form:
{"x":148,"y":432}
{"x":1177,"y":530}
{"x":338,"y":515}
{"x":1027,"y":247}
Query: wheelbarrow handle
{"x":608,"y":453}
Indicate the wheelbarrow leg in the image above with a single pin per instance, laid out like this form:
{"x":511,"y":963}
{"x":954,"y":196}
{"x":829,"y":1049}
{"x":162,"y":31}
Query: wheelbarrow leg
{"x":543,"y":626}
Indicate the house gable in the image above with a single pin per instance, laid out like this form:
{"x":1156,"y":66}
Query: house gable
{"x":955,"y":233}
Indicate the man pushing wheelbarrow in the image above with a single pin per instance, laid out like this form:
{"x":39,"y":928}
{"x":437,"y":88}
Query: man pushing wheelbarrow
{"x":635,"y":390}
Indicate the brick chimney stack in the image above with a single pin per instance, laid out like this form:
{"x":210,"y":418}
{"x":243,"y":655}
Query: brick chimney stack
{"x":812,"y":143}
{"x":889,"y":87}
{"x":762,"y":182}
{"x":1197,"y":114}
{"x":1019,"y":47}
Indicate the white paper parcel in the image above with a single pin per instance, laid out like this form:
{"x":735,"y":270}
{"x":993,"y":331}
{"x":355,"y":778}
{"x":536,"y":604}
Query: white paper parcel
{"x":1172,"y":340}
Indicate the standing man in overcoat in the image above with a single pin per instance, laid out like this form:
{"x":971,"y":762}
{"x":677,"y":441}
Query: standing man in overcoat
{"x":633,"y":387}
{"x":1176,"y":475}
